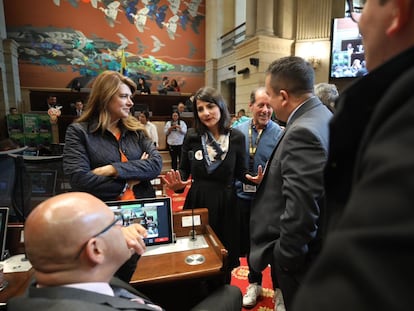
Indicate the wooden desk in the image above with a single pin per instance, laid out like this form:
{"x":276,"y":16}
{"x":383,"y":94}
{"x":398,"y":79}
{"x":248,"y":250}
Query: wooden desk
{"x":164,"y":276}
{"x":171,"y":267}
{"x":18,"y":283}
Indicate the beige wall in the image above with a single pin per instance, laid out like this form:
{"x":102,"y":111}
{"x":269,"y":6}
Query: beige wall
{"x":300,"y":27}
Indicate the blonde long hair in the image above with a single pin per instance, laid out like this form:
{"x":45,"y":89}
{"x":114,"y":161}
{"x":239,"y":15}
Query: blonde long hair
{"x":105,"y":86}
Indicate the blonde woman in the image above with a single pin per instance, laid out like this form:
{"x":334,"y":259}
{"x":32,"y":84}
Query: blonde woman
{"x":107,"y":151}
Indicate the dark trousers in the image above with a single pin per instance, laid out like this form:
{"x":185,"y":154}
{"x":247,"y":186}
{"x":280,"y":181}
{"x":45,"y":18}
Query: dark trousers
{"x":175,"y":154}
{"x":288,"y":282}
{"x":244,"y":208}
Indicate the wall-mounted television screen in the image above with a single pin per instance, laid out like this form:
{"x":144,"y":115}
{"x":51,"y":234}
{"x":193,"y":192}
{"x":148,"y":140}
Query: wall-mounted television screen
{"x":347,"y":51}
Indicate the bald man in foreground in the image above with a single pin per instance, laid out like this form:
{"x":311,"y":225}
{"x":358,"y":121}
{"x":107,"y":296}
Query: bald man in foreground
{"x":76,"y":244}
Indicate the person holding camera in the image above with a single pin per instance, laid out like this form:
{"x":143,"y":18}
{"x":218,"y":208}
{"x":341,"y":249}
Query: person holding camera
{"x":175,"y":130}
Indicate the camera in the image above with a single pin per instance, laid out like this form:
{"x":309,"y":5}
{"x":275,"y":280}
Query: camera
{"x":174,"y":124}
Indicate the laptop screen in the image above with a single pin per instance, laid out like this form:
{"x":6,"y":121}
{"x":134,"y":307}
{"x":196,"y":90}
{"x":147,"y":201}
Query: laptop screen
{"x":4,"y":215}
{"x":154,"y":214}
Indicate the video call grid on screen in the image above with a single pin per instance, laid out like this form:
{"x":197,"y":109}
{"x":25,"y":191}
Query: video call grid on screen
{"x":153,"y":214}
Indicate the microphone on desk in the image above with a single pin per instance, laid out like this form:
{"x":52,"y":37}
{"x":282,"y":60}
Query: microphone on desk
{"x":193,"y":236}
{"x":194,"y":259}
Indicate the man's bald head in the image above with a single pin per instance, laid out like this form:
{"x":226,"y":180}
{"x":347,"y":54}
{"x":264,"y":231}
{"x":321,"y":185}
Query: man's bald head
{"x":59,"y":230}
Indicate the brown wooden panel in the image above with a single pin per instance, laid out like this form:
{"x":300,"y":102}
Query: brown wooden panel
{"x":18,"y":282}
{"x":181,"y":231}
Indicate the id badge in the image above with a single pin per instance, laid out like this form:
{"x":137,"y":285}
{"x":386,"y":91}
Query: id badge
{"x":249,"y":188}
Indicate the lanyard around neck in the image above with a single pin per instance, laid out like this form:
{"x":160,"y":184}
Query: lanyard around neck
{"x":253,"y":145}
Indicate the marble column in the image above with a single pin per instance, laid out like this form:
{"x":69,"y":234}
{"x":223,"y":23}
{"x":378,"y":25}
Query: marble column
{"x":264,"y":17}
{"x":251,"y":18}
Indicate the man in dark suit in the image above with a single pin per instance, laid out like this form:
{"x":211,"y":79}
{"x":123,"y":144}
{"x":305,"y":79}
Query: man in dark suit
{"x":367,"y":259}
{"x":76,"y":244}
{"x":287,"y":209}
{"x":78,"y":108}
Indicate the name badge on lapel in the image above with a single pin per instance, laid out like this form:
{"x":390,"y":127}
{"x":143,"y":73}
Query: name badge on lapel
{"x":249,"y":188}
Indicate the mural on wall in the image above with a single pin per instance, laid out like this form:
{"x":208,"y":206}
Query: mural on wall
{"x":157,"y":37}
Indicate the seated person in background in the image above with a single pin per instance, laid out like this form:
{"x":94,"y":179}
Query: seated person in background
{"x":75,"y":256}
{"x":181,"y":107}
{"x":164,"y":86}
{"x":13,"y":110}
{"x":78,"y":108}
{"x":174,"y":87}
{"x":76,"y":85}
{"x":189,"y":103}
{"x":150,"y":127}
{"x":51,"y":101}
{"x":142,"y":87}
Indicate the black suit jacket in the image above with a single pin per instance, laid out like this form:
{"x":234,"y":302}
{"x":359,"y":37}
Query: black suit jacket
{"x":366,"y":262}
{"x":62,"y":298}
{"x":59,"y":298}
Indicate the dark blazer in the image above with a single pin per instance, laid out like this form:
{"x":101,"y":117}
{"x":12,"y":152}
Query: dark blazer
{"x":62,"y":298}
{"x":367,"y":259}
{"x":225,"y":298}
{"x":286,"y":210}
{"x":85,"y":150}
{"x":215,"y":190}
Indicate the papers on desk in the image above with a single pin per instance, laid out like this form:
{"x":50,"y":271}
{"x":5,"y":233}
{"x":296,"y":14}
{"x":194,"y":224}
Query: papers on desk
{"x":182,"y":244}
{"x":16,"y":263}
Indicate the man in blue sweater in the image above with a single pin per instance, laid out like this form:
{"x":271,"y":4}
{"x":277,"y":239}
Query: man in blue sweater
{"x":262,"y":135}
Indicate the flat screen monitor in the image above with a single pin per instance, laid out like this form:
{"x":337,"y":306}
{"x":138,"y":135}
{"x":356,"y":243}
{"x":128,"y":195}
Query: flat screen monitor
{"x":347,"y":50}
{"x":155,"y":214}
{"x":43,"y":182}
{"x":7,"y":177}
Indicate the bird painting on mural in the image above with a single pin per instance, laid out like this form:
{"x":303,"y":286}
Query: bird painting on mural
{"x":152,"y":7}
{"x":193,"y":7}
{"x":141,"y":46}
{"x":124,"y":42}
{"x":94,"y":3}
{"x":130,"y":9}
{"x":193,"y":50}
{"x":80,"y":41}
{"x":160,"y":15}
{"x":195,"y":23}
{"x":174,"y":6}
{"x":111,"y":12}
{"x":56,"y":53}
{"x":171,"y":26}
{"x":157,"y":44}
{"x":140,"y":19}
{"x":184,"y":19}
{"x":31,"y":52}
